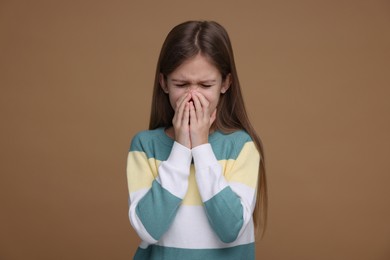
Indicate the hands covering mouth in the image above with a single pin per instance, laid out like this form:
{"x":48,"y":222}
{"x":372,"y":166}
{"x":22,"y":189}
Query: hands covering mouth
{"x":192,"y":119}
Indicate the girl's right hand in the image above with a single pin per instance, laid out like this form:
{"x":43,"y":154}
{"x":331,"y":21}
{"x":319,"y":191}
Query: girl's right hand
{"x":181,"y":121}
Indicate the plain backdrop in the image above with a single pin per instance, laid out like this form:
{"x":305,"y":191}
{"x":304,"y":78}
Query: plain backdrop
{"x":76,"y":80}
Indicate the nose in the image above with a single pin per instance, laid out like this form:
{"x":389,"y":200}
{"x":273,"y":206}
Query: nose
{"x":193,"y":87}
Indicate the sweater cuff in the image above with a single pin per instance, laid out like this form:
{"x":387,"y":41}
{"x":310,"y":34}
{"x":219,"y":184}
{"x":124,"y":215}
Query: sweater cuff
{"x":203,"y":156}
{"x":180,"y":156}
{"x":174,"y":172}
{"x":208,"y":175}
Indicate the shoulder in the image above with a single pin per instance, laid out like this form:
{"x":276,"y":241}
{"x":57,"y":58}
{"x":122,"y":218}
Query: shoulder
{"x":239,"y":136}
{"x":155,"y":143}
{"x":229,"y":145}
{"x":144,"y":138}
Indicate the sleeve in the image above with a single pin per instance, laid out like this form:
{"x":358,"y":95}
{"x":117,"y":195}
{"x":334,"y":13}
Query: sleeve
{"x":229,"y":203}
{"x":154,"y":201}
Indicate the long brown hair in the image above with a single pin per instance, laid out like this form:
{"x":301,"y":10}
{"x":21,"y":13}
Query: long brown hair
{"x":211,"y":40}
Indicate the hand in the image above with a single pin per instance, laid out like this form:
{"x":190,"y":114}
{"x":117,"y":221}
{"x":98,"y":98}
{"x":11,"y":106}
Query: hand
{"x":200,"y":119}
{"x":181,"y":121}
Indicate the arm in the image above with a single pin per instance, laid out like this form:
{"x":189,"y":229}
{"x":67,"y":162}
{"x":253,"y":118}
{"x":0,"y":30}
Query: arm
{"x":152,"y":210}
{"x":229,"y":201}
{"x":154,"y":201}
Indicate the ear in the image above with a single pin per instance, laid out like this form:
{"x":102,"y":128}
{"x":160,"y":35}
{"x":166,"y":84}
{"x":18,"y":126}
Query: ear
{"x":163,"y":83}
{"x":226,"y":83}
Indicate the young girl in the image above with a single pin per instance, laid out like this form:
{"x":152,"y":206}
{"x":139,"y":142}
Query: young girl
{"x":196,"y":178}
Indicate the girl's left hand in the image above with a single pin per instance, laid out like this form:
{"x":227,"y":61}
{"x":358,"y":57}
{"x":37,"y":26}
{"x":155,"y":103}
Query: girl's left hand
{"x":200,"y":119}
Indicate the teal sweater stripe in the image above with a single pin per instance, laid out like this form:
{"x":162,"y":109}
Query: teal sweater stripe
{"x":156,"y":144}
{"x":157,"y":209}
{"x":226,"y":223}
{"x":242,"y":252}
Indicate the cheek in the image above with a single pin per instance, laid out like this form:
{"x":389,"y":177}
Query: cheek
{"x":213,"y":105}
{"x":173,"y":98}
{"x":213,"y":99}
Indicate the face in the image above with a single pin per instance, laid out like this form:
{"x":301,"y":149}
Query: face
{"x":196,"y":74}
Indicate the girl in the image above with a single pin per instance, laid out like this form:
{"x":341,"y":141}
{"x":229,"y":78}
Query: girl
{"x":196,"y":178}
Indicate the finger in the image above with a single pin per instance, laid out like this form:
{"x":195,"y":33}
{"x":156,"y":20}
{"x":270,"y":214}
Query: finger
{"x":192,"y":113}
{"x":197,"y":105}
{"x":183,"y":99}
{"x":203,"y":101}
{"x":181,"y":107}
{"x":178,"y":115}
{"x":186,"y":116}
{"x":204,"y":104}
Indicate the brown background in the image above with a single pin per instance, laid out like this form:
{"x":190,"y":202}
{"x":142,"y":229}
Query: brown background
{"x":76,"y":81}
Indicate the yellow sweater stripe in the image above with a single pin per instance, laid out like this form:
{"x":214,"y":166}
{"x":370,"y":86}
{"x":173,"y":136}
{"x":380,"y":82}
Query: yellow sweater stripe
{"x":142,"y":171}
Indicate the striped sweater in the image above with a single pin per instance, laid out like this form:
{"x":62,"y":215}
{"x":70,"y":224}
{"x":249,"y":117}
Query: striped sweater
{"x":193,"y":203}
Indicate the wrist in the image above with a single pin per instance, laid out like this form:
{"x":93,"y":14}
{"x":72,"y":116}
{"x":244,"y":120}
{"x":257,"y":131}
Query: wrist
{"x":187,"y":144}
{"x":196,"y":144}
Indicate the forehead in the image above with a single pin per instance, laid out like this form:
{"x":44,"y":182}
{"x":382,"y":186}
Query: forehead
{"x":196,"y":68}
